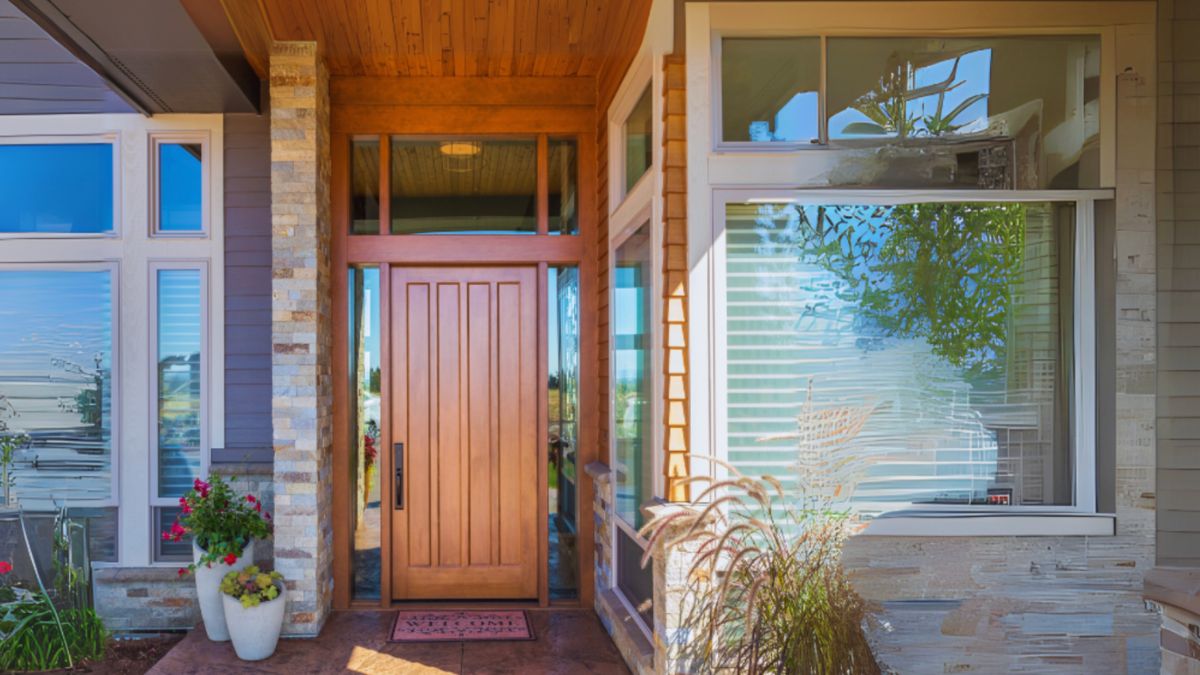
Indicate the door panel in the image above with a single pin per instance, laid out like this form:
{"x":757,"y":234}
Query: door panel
{"x":464,"y":396}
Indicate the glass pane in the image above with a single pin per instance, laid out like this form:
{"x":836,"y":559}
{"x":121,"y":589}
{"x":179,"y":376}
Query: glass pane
{"x":464,"y":187}
{"x":169,"y":551}
{"x":563,"y":388}
{"x":635,"y":582}
{"x":180,"y":187}
{"x":770,"y":89}
{"x":100,"y":527}
{"x":365,"y":387}
{"x":56,"y":188}
{"x":938,"y":335}
{"x":56,"y":360}
{"x":1029,"y":106}
{"x":639,"y":148}
{"x":632,"y":376}
{"x":180,"y":364}
{"x":364,"y":186}
{"x":564,"y":200}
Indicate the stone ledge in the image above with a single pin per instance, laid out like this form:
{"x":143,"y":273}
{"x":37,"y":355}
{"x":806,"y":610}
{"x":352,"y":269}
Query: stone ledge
{"x":1174,"y":586}
{"x":103,"y":575}
{"x":635,"y":648}
{"x":243,"y":469}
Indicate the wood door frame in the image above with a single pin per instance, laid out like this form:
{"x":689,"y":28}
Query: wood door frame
{"x":540,"y":250}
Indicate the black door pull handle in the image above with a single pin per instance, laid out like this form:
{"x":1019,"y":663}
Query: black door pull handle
{"x":398,"y":463}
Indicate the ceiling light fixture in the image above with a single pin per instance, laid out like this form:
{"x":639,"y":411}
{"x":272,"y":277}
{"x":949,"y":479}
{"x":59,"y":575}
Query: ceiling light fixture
{"x":459,"y":148}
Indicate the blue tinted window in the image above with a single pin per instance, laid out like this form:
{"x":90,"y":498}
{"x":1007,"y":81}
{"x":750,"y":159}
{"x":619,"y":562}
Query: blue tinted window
{"x":56,"y":188}
{"x":180,"y":187}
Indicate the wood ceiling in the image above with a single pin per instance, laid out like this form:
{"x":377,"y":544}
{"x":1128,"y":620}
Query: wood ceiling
{"x":451,"y":38}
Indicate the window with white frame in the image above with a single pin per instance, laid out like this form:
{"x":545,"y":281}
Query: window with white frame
{"x":909,"y":352}
{"x":72,"y":301}
{"x":179,"y":180}
{"x":961,"y":112}
{"x":637,"y":132}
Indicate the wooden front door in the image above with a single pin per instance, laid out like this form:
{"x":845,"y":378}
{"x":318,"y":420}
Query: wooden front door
{"x":464,"y":405}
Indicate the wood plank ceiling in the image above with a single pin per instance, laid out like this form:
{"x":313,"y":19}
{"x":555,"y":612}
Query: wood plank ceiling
{"x":462,"y":38}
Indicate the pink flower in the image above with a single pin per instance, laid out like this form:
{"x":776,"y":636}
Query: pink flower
{"x":5,"y":567}
{"x":250,"y":498}
{"x":201,"y":487}
{"x":177,"y":531}
{"x":258,"y":507}
{"x":166,"y":536}
{"x":183,"y":504}
{"x":182,"y":571}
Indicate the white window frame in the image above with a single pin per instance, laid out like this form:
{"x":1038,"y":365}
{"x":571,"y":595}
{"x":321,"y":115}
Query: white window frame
{"x":130,"y":249}
{"x":639,"y":80}
{"x":50,"y":138}
{"x":154,"y":267}
{"x":158,"y":139}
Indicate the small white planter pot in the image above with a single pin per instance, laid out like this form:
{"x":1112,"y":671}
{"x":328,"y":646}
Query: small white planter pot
{"x":208,"y":590}
{"x":255,"y":630}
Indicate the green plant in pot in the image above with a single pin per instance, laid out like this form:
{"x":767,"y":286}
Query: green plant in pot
{"x":254,"y":602}
{"x":223,"y":526}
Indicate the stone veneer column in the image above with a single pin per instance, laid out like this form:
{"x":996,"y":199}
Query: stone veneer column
{"x":301,"y":332}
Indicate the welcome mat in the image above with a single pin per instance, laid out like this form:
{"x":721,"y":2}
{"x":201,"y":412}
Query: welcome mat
{"x":421,"y":625}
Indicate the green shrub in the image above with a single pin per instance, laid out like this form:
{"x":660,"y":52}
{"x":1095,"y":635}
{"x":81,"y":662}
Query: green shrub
{"x":35,"y":639}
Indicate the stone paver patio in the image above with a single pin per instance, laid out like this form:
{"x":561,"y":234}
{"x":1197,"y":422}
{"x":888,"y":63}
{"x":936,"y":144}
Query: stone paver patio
{"x":568,"y":641}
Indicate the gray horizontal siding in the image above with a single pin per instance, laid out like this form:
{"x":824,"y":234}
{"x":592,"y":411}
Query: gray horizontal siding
{"x":247,"y":291}
{"x":1178,"y":404}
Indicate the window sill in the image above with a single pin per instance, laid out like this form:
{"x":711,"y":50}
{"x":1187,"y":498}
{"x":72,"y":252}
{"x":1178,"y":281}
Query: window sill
{"x":962,"y":524}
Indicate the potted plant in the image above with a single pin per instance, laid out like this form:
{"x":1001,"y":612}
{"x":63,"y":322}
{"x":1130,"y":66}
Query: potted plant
{"x":254,"y":604}
{"x":223,"y":527}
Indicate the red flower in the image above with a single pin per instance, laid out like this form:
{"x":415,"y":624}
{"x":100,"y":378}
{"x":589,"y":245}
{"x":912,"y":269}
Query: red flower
{"x":5,"y":567}
{"x":166,"y":536}
{"x":250,"y":498}
{"x":177,"y":531}
{"x":230,"y":558}
{"x":258,"y":507}
{"x":201,"y":487}
{"x":182,"y":571}
{"x":183,"y":504}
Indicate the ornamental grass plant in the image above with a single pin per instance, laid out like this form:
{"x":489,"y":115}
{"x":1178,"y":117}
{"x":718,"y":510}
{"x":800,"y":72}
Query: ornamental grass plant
{"x":767,"y":591}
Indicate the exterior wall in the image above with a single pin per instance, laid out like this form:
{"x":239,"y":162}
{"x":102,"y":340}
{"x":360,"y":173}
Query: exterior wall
{"x":974,"y":603}
{"x":301,"y":332}
{"x":247,"y":291}
{"x":1179,"y":284}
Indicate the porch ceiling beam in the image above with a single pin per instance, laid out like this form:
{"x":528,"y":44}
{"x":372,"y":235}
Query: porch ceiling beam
{"x":475,"y":91}
{"x":462,"y":120}
{"x":249,"y":22}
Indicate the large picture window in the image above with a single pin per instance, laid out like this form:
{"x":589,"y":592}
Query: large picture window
{"x":903,"y":354}
{"x":56,"y":188}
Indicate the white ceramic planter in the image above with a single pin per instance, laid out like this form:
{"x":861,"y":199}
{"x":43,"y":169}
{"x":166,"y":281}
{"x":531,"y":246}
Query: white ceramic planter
{"x":208,"y":590}
{"x":255,"y":630}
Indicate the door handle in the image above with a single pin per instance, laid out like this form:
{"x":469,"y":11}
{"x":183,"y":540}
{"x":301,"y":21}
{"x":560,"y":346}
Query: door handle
{"x":398,"y":463}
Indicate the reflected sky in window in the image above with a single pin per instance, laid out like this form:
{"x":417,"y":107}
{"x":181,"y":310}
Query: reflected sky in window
{"x":56,"y":188}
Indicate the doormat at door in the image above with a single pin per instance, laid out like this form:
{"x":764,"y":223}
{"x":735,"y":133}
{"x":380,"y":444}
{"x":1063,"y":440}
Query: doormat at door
{"x":420,"y":625}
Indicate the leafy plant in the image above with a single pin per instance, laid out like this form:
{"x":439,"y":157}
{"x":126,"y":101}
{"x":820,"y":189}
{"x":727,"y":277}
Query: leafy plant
{"x":221,"y":522}
{"x":252,"y":586}
{"x":886,"y":106}
{"x":8,"y":446}
{"x":767,"y":592}
{"x":34,"y":636}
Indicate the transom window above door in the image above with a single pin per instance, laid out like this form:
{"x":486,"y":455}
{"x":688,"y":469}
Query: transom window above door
{"x":483,"y":186}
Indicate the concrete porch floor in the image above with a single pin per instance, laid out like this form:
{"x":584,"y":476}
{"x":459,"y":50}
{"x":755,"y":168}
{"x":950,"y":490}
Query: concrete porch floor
{"x":568,"y":641}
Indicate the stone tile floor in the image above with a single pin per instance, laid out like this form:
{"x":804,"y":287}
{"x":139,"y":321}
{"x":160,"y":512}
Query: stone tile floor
{"x":568,"y":641}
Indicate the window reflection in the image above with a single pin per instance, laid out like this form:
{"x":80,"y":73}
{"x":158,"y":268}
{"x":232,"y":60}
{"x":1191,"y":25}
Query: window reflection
{"x":939,"y":335}
{"x":180,"y":187}
{"x":180,"y":364}
{"x":364,"y":186}
{"x":564,"y":199}
{"x":56,"y":364}
{"x":769,"y":89}
{"x":632,"y":377}
{"x":639,"y":141}
{"x":464,"y":186}
{"x":365,"y":388}
{"x":563,"y":391}
{"x":56,"y":188}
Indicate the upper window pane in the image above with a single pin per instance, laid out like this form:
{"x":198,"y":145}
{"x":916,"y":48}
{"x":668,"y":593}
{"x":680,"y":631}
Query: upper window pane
{"x":638,"y":131}
{"x":564,"y":199}
{"x":769,"y":89}
{"x":464,"y":186}
{"x":180,"y":187}
{"x":56,"y":188}
{"x":56,"y":364}
{"x":364,"y":186}
{"x":180,"y":364}
{"x":903,"y":354}
{"x":632,"y":377}
{"x":1028,"y":106}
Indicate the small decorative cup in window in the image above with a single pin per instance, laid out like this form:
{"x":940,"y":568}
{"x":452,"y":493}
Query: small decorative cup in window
{"x":223,"y":527}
